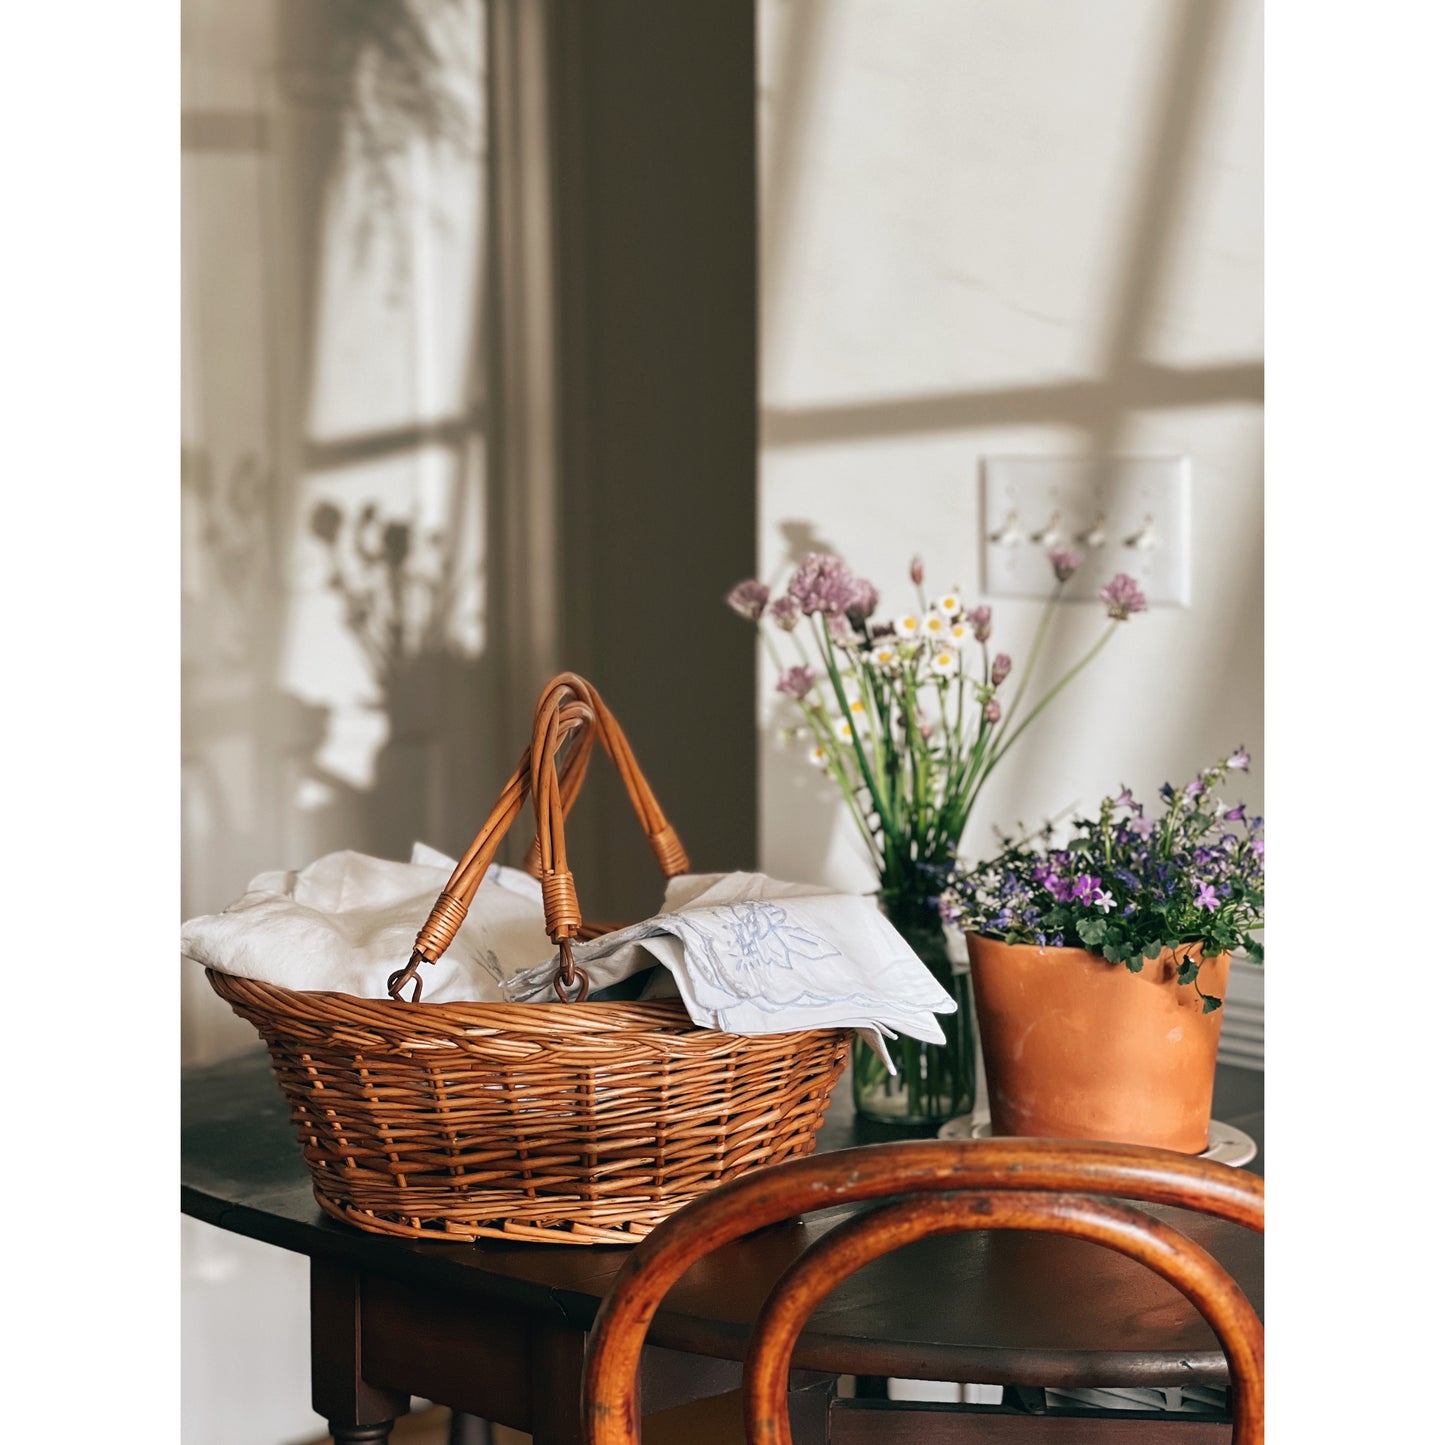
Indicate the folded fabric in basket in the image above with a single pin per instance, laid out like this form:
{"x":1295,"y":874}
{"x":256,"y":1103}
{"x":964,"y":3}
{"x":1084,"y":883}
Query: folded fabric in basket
{"x":347,"y":921}
{"x":752,"y":955}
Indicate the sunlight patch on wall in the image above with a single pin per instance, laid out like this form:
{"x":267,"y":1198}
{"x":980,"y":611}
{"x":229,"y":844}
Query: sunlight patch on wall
{"x":386,"y":553}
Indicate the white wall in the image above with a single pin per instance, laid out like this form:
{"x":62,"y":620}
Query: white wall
{"x":1015,"y":227}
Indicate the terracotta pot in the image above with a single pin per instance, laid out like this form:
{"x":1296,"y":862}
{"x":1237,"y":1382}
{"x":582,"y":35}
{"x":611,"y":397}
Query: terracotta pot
{"x":1075,"y":1047}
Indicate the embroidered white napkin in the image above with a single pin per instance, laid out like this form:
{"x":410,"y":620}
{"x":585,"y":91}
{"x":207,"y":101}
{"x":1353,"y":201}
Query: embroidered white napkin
{"x":347,"y":921}
{"x":751,"y":955}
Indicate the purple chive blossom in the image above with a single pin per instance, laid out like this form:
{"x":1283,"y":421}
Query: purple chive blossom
{"x":1065,"y":562}
{"x":1122,"y":596}
{"x":864,"y":602}
{"x":748,"y":599}
{"x":915,"y":571}
{"x":992,"y":712}
{"x":840,"y":629}
{"x":1002,"y":666}
{"x":797,"y":682}
{"x":1238,"y":759}
{"x":981,"y":620}
{"x":822,"y":584}
{"x":1207,"y":897}
{"x":784,"y":612}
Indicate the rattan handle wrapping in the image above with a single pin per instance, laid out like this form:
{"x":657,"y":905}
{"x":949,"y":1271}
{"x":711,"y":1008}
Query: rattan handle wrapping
{"x":569,"y":705}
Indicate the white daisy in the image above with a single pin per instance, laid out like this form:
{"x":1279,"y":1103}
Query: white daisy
{"x":907,"y":625}
{"x":934,"y":626}
{"x":858,"y":715}
{"x":950,"y":604}
{"x":945,"y":662}
{"x":843,"y":730}
{"x":959,"y":633}
{"x":818,"y":756}
{"x":884,"y":654}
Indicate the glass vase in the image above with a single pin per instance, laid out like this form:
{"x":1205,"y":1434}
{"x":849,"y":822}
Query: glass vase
{"x":934,"y":1082}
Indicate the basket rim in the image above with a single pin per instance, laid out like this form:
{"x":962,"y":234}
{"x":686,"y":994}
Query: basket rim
{"x":541,"y":1021}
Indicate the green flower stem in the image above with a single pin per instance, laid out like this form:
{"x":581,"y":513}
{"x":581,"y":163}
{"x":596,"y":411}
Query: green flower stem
{"x":919,"y":752}
{"x":975,"y":773}
{"x":879,"y":803}
{"x":773,"y":656}
{"x":875,"y":688}
{"x":845,"y":786}
{"x":877,"y":723}
{"x":951,"y":741}
{"x":829,"y":746}
{"x":801,"y":650}
{"x":1003,"y":745}
{"x":1050,"y":607}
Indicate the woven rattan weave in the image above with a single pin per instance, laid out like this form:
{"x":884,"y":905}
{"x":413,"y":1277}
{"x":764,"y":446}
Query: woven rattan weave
{"x":577,"y":1122}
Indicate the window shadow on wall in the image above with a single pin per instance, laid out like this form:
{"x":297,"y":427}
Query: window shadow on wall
{"x":1096,"y":411}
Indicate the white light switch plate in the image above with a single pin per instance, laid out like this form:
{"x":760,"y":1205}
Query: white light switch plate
{"x":1128,"y":514}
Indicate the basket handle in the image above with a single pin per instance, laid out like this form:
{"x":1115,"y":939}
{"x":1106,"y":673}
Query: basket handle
{"x":569,"y":705}
{"x":666,"y":846}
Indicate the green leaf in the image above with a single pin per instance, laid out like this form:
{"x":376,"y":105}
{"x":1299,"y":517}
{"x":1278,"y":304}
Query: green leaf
{"x":1210,"y":1003}
{"x":1134,"y":964}
{"x":1115,"y":953}
{"x":1188,"y":971}
{"x":1255,"y":949}
{"x":1092,"y":931}
{"x":1153,"y":949}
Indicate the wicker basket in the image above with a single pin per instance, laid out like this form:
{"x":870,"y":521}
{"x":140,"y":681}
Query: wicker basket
{"x":576,"y":1123}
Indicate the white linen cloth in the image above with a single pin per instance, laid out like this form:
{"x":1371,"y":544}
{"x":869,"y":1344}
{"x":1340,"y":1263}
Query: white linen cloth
{"x":751,"y":955}
{"x":746,"y":953}
{"x":346,"y":922}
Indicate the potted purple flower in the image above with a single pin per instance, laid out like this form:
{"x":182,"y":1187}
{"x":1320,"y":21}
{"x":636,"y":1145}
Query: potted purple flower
{"x":910,"y":715}
{"x":1100,"y":963}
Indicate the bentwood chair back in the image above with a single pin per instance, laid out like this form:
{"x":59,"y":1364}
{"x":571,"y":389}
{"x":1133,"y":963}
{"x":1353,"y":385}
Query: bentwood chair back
{"x":933,"y":1187}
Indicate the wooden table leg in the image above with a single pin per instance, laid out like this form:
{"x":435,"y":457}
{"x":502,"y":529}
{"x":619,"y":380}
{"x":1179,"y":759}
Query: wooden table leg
{"x":808,"y":1410}
{"x":356,"y":1413}
{"x":467,"y":1429}
{"x":556,"y":1383}
{"x":359,"y":1434}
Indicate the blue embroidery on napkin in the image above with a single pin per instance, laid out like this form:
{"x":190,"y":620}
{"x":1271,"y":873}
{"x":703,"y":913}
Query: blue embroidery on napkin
{"x":742,"y":957}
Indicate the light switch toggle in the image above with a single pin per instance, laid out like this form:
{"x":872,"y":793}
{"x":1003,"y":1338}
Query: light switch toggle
{"x":1097,"y":534}
{"x":1052,"y":534}
{"x":1146,"y":539}
{"x":1011,"y":533}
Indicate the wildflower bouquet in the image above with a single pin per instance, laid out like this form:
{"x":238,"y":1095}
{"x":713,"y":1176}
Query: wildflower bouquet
{"x":1128,"y":886}
{"x":910,"y":716}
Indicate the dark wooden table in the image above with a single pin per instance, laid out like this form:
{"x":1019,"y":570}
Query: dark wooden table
{"x":497,"y":1330}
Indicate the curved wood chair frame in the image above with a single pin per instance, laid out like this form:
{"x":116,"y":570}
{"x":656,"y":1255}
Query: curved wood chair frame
{"x":1060,"y":1186}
